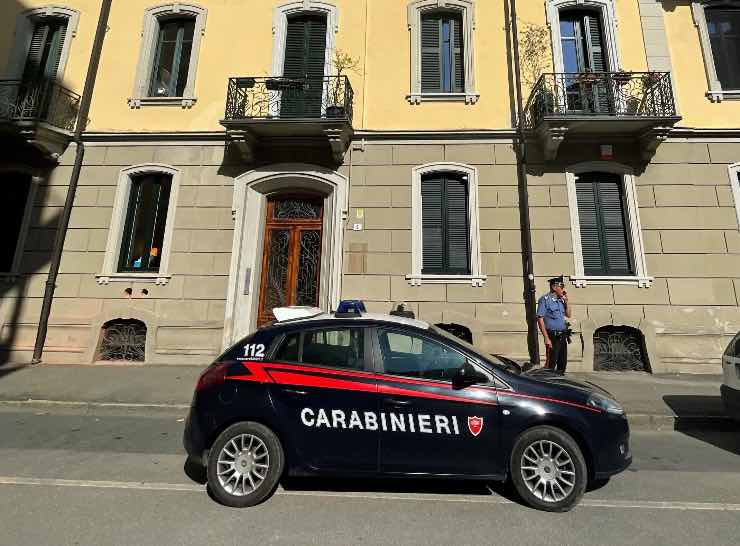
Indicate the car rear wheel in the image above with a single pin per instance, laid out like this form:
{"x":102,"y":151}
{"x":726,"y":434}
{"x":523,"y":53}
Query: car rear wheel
{"x":245,"y":465}
{"x":548,"y":469}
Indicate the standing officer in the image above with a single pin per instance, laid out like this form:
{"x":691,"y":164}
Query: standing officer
{"x":552,"y":310}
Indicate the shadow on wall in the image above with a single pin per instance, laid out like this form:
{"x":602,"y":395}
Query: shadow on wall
{"x":21,"y":291}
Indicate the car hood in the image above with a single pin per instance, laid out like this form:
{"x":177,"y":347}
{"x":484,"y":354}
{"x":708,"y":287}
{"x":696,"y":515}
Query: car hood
{"x":548,"y":376}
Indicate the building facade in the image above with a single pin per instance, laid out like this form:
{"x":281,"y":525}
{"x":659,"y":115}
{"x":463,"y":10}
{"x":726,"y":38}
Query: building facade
{"x":245,"y":155}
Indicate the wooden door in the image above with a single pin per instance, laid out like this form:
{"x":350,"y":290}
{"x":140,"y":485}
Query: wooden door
{"x":291,"y":259}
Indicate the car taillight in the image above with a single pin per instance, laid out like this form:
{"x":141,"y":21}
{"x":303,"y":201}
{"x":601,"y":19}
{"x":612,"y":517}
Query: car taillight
{"x":212,"y":376}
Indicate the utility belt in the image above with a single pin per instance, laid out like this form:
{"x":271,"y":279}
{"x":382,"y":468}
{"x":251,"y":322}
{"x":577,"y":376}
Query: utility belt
{"x":557,"y":334}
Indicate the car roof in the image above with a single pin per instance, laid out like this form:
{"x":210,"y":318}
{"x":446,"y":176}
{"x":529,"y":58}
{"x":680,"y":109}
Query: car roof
{"x":326,"y":319}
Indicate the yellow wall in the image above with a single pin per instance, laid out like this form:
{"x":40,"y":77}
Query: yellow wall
{"x":689,"y":74}
{"x":238,"y":41}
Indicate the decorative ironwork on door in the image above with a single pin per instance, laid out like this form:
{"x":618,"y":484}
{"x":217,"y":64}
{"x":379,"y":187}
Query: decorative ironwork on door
{"x":291,"y":263}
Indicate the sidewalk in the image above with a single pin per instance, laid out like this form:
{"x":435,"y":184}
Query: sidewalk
{"x":661,"y":402}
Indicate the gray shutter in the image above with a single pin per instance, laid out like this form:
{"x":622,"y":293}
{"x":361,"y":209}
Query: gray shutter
{"x":55,"y":51}
{"x":614,"y":226}
{"x":432,"y":225}
{"x":596,"y":43}
{"x":458,"y":68}
{"x":457,"y":239}
{"x":588,"y":219}
{"x":431,"y":59}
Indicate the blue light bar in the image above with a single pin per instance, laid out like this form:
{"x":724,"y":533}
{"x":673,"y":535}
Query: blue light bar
{"x":350,"y":308}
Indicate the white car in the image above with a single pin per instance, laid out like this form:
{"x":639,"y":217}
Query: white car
{"x":731,"y":386}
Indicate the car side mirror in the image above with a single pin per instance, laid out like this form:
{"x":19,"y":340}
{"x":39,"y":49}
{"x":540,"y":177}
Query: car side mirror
{"x":467,"y":375}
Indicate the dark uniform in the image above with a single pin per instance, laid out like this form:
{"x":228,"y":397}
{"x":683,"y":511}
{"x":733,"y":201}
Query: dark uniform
{"x":552,"y":309}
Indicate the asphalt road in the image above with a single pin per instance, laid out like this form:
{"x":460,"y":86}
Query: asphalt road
{"x":118,"y":476}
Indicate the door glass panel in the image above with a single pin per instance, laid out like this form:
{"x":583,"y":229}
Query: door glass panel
{"x":309,"y":261}
{"x":417,"y":356}
{"x":293,"y":209}
{"x":277,"y":269}
{"x":341,"y":347}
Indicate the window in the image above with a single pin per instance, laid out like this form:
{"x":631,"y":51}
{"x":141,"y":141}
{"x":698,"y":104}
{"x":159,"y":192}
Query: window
{"x":336,"y":347}
{"x":143,"y":232}
{"x":42,"y":42}
{"x":604,"y":235}
{"x":412,"y":355}
{"x":718,"y":24}
{"x":442,"y":50}
{"x":172,"y":59}
{"x":168,"y":59}
{"x":605,"y":226}
{"x":15,"y":210}
{"x":445,"y":238}
{"x":141,"y":225}
{"x":444,"y":203}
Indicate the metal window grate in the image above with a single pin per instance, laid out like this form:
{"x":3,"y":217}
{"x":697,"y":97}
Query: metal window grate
{"x":123,"y":340}
{"x":620,"y":348}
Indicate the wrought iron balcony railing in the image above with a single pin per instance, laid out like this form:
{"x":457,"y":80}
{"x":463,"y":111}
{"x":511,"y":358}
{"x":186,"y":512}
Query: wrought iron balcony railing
{"x":326,"y":98}
{"x":39,"y":101}
{"x":617,"y":94}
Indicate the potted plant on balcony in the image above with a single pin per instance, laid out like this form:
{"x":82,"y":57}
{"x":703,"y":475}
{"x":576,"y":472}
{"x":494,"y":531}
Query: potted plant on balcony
{"x":343,"y":62}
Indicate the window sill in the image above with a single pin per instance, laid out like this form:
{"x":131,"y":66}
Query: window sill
{"x":184,"y":102}
{"x":418,"y":98}
{"x":473,"y":280}
{"x":720,"y":95}
{"x":156,"y":278}
{"x":641,"y":282}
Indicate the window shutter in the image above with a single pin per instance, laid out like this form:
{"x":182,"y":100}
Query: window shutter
{"x":431,"y":58}
{"x":305,"y":47}
{"x":35,"y":52}
{"x":316,"y":50}
{"x":293,"y":63}
{"x":458,"y":65}
{"x":605,"y":240}
{"x":458,"y":239}
{"x":55,"y":50}
{"x":432,"y":226}
{"x":596,"y":43}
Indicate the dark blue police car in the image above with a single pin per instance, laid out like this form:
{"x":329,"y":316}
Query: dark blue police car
{"x":360,"y":394}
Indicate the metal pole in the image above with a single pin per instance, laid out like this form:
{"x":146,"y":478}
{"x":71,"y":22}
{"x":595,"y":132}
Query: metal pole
{"x":524,"y":222}
{"x":56,"y":255}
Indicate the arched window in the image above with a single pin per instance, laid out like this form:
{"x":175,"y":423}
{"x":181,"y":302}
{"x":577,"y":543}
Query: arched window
{"x":620,"y":348}
{"x":122,"y":340}
{"x":169,"y":55}
{"x":142,"y":224}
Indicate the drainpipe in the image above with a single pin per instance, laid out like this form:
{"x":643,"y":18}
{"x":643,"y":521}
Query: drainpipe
{"x":56,"y":256}
{"x":520,"y":148}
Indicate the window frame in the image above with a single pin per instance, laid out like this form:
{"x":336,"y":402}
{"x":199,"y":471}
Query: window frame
{"x":153,"y":17}
{"x":715,"y":93}
{"x":634,"y":229}
{"x":110,"y":271}
{"x":466,"y":9}
{"x":25,"y":227}
{"x":24,"y":27}
{"x":476,"y":277}
{"x":609,"y":24}
{"x":733,"y":172}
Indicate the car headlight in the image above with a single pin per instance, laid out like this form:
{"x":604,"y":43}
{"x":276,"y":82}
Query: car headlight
{"x":605,"y":403}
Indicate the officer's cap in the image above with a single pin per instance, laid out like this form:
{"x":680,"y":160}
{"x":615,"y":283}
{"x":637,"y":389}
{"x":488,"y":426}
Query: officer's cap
{"x":556,"y":280}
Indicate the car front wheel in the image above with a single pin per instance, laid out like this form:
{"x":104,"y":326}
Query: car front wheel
{"x":245,"y":465}
{"x":548,"y":469}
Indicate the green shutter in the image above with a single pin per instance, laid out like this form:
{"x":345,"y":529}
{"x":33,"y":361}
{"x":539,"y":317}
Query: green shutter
{"x":605,"y":241}
{"x":445,"y":226}
{"x":45,"y":50}
{"x":305,"y":53}
{"x":597,"y":51}
{"x":431,"y":58}
{"x":458,"y":65}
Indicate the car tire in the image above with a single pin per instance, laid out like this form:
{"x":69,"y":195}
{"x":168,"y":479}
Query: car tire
{"x":245,"y":464}
{"x":548,"y":469}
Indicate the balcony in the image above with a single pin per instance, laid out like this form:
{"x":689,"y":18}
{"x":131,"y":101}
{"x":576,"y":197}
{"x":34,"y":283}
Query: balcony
{"x":265,"y":113}
{"x":42,"y":112}
{"x":613,"y":106}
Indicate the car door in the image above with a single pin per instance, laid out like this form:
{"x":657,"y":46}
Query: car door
{"x":427,"y":425}
{"x":323,"y":393}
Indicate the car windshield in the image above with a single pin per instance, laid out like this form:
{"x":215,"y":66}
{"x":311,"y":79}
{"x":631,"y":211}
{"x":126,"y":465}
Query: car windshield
{"x":496,"y":360}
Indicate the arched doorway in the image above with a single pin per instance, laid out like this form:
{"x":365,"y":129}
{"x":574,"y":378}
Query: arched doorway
{"x":291,"y":258}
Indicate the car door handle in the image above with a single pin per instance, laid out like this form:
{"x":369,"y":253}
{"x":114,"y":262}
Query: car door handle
{"x":297,"y":392}
{"x":397,"y":402}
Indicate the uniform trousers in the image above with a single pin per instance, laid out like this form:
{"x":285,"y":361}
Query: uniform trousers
{"x":557,"y":356}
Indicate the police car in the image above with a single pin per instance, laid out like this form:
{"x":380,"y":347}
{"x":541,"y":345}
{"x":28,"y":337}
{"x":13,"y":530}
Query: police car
{"x":730,"y":389}
{"x":369,"y":395}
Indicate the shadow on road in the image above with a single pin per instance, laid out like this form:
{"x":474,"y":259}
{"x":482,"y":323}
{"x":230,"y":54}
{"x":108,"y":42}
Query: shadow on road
{"x":703,"y":417}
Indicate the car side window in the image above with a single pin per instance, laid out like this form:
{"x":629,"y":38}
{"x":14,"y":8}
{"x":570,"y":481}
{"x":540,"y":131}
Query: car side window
{"x":335,"y":347}
{"x":417,"y":356}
